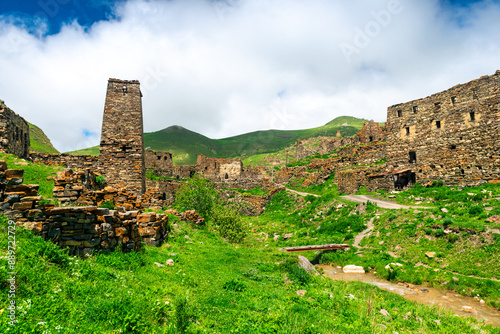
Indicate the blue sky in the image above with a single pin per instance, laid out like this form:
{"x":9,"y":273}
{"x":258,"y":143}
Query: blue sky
{"x":59,"y":12}
{"x":226,"y":67}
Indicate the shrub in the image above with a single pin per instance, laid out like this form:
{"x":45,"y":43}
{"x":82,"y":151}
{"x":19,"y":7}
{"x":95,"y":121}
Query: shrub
{"x":197,"y":194}
{"x":296,"y":273}
{"x":231,"y":226}
{"x":439,"y":232}
{"x":234,"y":285}
{"x":452,"y":238}
{"x":100,"y":181}
{"x":428,"y":231}
{"x":447,"y":222}
{"x":475,"y":210}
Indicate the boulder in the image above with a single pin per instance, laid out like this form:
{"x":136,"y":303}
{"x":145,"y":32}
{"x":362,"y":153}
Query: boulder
{"x":352,"y":269}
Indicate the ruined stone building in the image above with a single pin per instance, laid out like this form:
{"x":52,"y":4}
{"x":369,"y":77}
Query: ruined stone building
{"x":160,"y":160}
{"x":121,"y":153}
{"x":14,"y":133}
{"x":453,"y":136}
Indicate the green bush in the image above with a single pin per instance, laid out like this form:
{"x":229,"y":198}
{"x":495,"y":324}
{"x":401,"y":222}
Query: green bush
{"x":438,"y":233}
{"x":197,"y":194}
{"x":100,"y":181}
{"x":296,"y":273}
{"x":231,"y":226}
{"x":452,"y":238}
{"x":475,"y":210}
{"x":234,"y":285}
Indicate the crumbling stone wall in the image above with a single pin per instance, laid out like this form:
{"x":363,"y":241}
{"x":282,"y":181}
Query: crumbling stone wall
{"x":161,"y":160}
{"x":451,"y":136}
{"x":73,"y":161}
{"x":14,"y":133}
{"x":121,"y":152}
{"x":217,"y":169}
{"x":370,"y":132}
{"x":350,"y":180}
{"x":83,"y":230}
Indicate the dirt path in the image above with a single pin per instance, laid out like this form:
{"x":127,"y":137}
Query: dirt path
{"x":365,"y":233}
{"x":301,"y":193}
{"x":380,"y":203}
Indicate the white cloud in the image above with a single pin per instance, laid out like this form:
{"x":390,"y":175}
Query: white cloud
{"x":224,"y":68}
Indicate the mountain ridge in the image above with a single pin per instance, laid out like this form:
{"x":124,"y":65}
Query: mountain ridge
{"x":185,"y":145}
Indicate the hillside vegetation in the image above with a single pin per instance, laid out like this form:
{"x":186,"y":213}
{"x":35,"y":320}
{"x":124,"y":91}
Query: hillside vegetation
{"x":39,"y":142}
{"x":251,"y":286}
{"x":186,"y":145}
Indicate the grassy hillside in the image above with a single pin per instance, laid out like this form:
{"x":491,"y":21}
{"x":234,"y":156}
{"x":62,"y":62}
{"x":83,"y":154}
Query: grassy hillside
{"x":253,"y":287}
{"x":186,"y":145}
{"x":87,"y":151}
{"x":39,"y":142}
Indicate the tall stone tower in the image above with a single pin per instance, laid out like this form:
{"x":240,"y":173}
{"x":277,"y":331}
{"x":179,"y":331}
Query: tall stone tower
{"x":121,"y":154}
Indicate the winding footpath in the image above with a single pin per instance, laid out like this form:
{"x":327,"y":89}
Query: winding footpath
{"x":380,"y":203}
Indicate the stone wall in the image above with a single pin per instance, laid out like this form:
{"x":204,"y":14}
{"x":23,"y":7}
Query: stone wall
{"x":350,"y":180}
{"x":451,"y":136}
{"x":370,"y":132}
{"x":121,"y":152}
{"x":14,"y":133}
{"x":84,"y":230}
{"x":217,"y":169}
{"x":72,"y":161}
{"x":160,"y":160}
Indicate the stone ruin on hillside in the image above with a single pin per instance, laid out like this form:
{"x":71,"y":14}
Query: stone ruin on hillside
{"x":451,"y":136}
{"x":14,"y":133}
{"x":121,"y":151}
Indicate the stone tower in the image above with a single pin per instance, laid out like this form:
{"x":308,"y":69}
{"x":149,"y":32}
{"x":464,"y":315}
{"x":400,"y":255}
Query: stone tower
{"x":121,"y":154}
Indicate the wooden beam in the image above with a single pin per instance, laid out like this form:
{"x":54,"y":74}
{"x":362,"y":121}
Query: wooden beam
{"x":316,"y":247}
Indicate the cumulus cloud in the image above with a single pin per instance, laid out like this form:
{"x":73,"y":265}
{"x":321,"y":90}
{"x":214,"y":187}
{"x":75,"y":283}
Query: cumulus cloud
{"x":223,"y":68}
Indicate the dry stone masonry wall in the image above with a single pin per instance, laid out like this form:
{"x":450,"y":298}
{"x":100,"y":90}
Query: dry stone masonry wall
{"x":14,"y":133}
{"x":84,"y":230}
{"x":453,"y":136}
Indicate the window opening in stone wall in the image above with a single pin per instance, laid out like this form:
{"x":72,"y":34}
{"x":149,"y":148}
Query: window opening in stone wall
{"x":125,"y":148}
{"x":165,"y":158}
{"x":370,"y":138}
{"x":407,"y":131}
{"x":163,"y":196}
{"x":437,"y":105}
{"x":472,"y":115}
{"x":438,"y":124}
{"x":226,"y":176}
{"x":415,"y":109}
{"x":462,"y":171}
{"x":453,"y":100}
{"x":400,"y":113}
{"x":413,"y":157}
{"x":453,"y":147}
{"x":159,"y":158}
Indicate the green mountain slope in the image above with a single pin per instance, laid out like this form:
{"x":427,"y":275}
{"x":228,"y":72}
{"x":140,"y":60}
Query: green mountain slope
{"x":39,"y":142}
{"x":186,"y":145}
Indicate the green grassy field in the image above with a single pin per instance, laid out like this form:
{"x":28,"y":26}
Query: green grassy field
{"x":213,"y":287}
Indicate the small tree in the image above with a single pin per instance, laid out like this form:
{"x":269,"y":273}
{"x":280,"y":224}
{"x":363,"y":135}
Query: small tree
{"x":197,"y":194}
{"x":231,"y":226}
